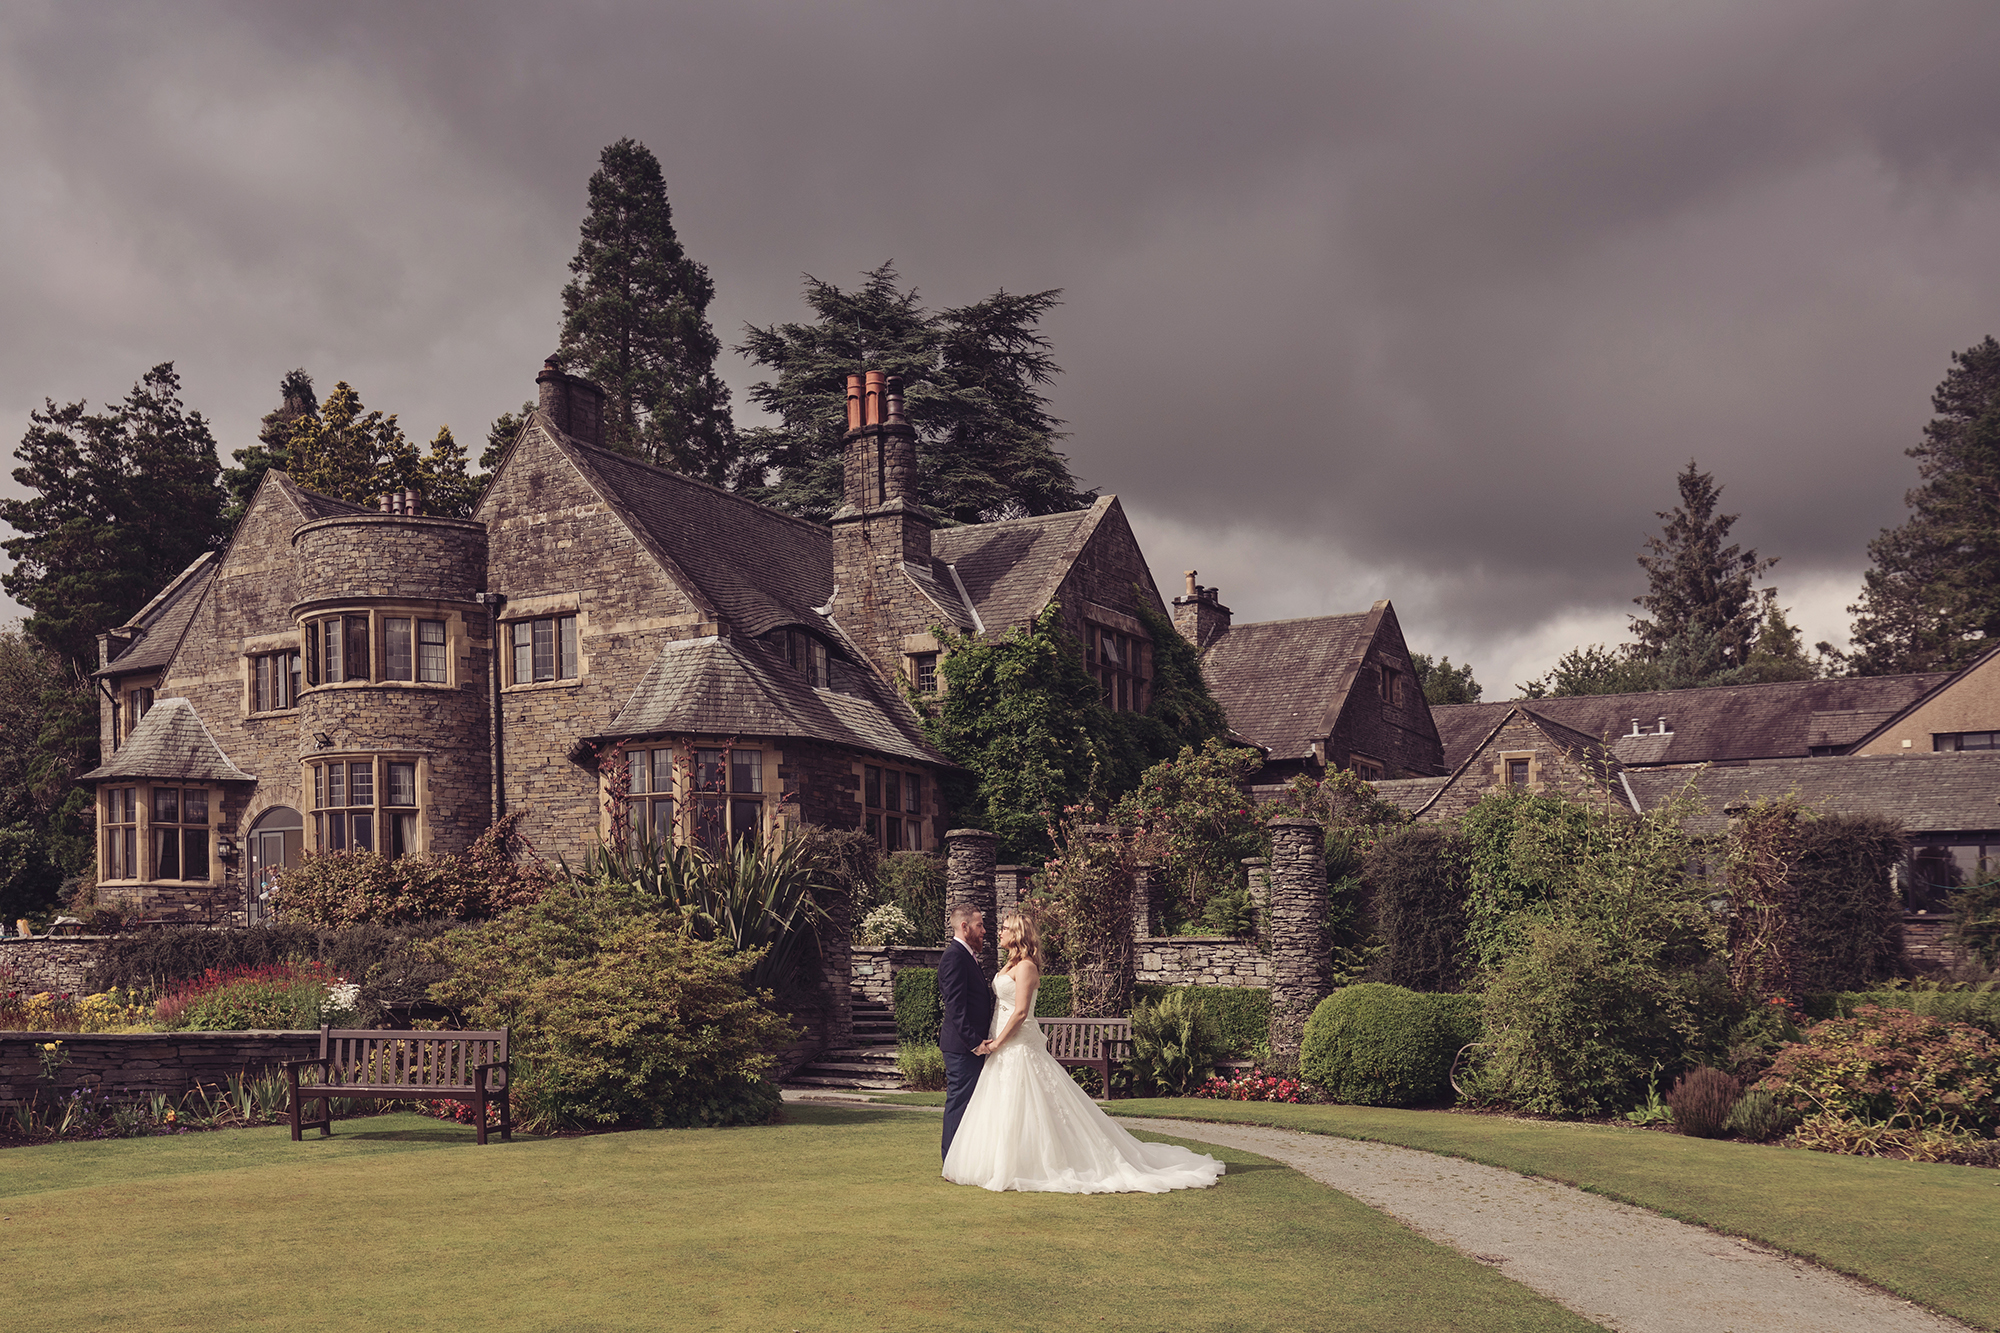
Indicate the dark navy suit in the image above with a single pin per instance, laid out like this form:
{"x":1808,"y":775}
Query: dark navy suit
{"x":968,"y":1014}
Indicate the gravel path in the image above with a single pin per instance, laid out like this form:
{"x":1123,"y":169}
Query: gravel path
{"x":1619,"y":1266}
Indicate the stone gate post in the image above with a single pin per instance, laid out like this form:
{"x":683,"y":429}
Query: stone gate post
{"x":1298,"y":930}
{"x":968,"y":878}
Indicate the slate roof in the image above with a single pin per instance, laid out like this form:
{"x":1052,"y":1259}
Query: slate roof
{"x":733,"y":686}
{"x":161,"y":622}
{"x":170,"y":742}
{"x":1929,"y":793}
{"x":1011,"y":568}
{"x":1409,"y":795}
{"x":311,"y":503}
{"x":1719,"y":723}
{"x":1282,"y":681}
{"x":757,"y":568}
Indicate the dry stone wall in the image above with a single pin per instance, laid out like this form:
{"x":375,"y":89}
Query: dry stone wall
{"x":1200,"y":960}
{"x":143,"y":1063}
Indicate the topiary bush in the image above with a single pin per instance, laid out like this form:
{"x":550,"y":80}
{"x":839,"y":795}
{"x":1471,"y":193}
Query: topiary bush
{"x":919,"y":1007}
{"x":1381,"y":1045}
{"x":1241,"y":1015}
{"x":620,"y":1014}
{"x":1701,"y":1100}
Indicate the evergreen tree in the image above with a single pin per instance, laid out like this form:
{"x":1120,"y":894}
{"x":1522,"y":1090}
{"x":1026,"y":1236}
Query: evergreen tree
{"x":1700,"y":585}
{"x":1780,"y":653}
{"x":121,"y":501}
{"x":972,"y":381}
{"x":48,"y":712}
{"x":635,"y":321}
{"x":1932,"y":600}
{"x":274,"y":438}
{"x":1443,"y":683}
{"x":352,"y":454}
{"x":500,"y":435}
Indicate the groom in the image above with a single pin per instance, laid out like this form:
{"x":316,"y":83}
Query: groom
{"x":968,"y":1013}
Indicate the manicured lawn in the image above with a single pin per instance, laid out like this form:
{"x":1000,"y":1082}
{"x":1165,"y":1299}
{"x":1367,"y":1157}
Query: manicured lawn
{"x":832,"y":1220}
{"x":1928,"y":1232}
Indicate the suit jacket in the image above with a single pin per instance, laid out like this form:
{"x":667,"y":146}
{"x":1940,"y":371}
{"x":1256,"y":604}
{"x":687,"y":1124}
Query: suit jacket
{"x":967,"y":999}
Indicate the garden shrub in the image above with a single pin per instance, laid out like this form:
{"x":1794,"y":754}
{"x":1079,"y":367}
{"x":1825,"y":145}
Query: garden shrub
{"x":1850,"y":928}
{"x":496,"y":873}
{"x":1380,"y":1045}
{"x":1052,"y":997}
{"x":1702,"y":1100}
{"x":384,"y":959}
{"x":914,"y":882}
{"x":622,"y":1015}
{"x":1414,"y":886}
{"x":1884,"y":1066}
{"x":1189,"y":817}
{"x":1975,"y":925}
{"x":921,"y":1065}
{"x":1241,"y":1015}
{"x":1760,"y":1117}
{"x":886,"y":924}
{"x":282,"y":996}
{"x":919,"y":1006}
{"x":1174,"y":1044}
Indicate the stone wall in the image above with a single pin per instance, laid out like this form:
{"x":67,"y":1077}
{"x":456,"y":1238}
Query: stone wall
{"x":1399,"y":734}
{"x":43,"y":965}
{"x":1298,"y":930}
{"x":1200,"y":960}
{"x":874,"y":969}
{"x":143,"y":1063}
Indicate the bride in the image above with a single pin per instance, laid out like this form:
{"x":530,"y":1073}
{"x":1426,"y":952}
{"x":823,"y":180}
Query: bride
{"x":1030,"y":1127}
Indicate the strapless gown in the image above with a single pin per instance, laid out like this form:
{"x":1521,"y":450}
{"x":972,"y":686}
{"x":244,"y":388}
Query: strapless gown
{"x":1030,"y":1127}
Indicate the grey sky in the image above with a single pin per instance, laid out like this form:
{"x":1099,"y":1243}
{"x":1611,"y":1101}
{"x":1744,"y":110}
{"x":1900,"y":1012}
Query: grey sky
{"x":1408,"y":300}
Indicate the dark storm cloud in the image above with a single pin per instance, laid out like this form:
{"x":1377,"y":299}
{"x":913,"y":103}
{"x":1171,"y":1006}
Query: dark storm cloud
{"x":1420,"y":301}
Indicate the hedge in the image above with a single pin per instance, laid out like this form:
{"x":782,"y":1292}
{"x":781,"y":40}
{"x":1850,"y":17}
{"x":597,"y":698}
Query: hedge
{"x":1380,"y":1045}
{"x":1416,"y":887}
{"x":920,"y":1009}
{"x":1241,"y":1014}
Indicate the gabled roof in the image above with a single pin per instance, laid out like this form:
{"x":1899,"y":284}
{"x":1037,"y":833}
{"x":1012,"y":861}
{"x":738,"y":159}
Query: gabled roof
{"x":1714,"y":724}
{"x":1410,"y":795}
{"x":1928,"y":793}
{"x":170,"y":742}
{"x":1282,"y":681}
{"x":160,"y":623}
{"x":1011,"y":568}
{"x":1589,"y":753}
{"x":755,"y":567}
{"x":1888,"y":720}
{"x":732,"y":686}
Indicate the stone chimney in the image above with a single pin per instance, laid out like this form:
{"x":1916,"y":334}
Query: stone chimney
{"x":1199,"y":614}
{"x":573,"y":405}
{"x":879,"y":526}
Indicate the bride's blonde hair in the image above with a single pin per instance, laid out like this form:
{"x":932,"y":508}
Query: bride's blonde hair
{"x":1027,"y":936}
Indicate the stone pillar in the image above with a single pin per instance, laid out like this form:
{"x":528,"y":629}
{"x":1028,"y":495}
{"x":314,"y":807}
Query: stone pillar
{"x":1146,"y":900}
{"x":836,"y":967}
{"x":1009,"y":884}
{"x":1257,"y":874}
{"x":968,"y":878}
{"x":1101,"y":985}
{"x":1298,"y":931}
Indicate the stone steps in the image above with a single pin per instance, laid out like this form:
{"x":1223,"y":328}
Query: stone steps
{"x":869,"y":1064}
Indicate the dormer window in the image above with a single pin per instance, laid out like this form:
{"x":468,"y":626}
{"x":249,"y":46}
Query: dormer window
{"x":808,"y":657}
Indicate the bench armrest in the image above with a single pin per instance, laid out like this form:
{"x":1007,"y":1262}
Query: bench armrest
{"x":479,"y":1073}
{"x":319,"y":1060}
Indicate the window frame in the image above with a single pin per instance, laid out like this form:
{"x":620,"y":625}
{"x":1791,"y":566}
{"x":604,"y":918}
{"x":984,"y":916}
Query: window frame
{"x":183,"y":834}
{"x":276,"y":681}
{"x":338,"y":822}
{"x":1952,"y":742}
{"x":119,"y":819}
{"x":565,"y":652}
{"x":897,"y":828}
{"x":1115,"y":659}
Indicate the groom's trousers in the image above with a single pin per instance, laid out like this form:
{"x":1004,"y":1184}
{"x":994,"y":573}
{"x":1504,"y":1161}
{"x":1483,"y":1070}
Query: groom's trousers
{"x":961,"y":1075}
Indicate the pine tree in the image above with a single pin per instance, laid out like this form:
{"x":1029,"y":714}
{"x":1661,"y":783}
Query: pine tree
{"x":635,"y":321}
{"x":273,"y":448}
{"x":972,"y":380}
{"x":1702,"y":600}
{"x":352,"y":454}
{"x":122,"y":500}
{"x":1932,"y":600}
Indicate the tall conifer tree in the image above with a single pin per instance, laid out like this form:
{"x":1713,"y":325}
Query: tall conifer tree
{"x":274,"y":439}
{"x":1702,"y":601}
{"x":1932,"y":600}
{"x":973,"y":378}
{"x":635,"y":321}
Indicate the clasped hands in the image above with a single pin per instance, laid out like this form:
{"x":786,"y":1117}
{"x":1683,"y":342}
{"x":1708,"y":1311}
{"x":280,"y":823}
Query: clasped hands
{"x":984,"y":1048}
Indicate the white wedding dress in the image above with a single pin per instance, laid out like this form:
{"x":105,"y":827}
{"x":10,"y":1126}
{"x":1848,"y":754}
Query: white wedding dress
{"x":1030,"y":1127}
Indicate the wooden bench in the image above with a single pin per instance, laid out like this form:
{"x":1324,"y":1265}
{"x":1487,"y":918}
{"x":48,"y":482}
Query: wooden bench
{"x":1089,"y":1043}
{"x":383,"y":1065}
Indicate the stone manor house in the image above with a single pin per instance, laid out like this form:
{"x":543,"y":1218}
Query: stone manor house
{"x":606,"y":644}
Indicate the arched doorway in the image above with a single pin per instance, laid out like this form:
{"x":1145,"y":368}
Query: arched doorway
{"x":277,"y":840}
